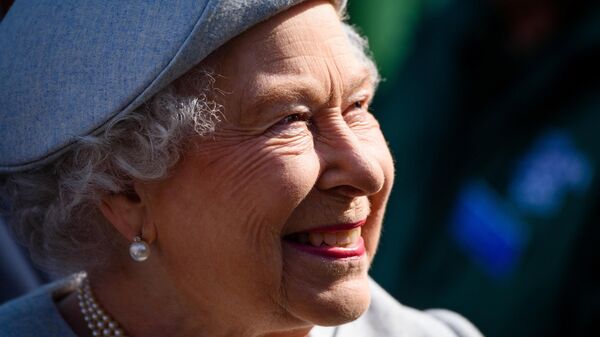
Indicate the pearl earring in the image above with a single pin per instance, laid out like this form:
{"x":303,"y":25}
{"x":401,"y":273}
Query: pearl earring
{"x":139,"y":249}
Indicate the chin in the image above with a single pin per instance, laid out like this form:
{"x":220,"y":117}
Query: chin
{"x":341,"y":303}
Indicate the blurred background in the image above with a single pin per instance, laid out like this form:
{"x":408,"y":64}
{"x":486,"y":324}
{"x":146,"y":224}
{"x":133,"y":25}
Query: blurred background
{"x":492,"y":111}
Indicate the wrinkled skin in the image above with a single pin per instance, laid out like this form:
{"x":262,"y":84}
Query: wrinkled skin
{"x":297,"y":149}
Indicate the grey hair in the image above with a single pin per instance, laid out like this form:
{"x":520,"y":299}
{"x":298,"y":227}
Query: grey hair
{"x":54,"y":210}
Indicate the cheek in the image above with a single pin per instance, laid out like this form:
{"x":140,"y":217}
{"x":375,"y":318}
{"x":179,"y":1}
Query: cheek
{"x":224,"y":209}
{"x":267,"y":177}
{"x":379,"y":200}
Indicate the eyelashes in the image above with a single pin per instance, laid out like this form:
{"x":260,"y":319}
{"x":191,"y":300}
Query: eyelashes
{"x":292,"y":125}
{"x":306,"y":118}
{"x":294,"y":118}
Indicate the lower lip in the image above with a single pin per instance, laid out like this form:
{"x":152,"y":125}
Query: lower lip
{"x":332,"y":252}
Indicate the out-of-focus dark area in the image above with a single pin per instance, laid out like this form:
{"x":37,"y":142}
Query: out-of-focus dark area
{"x":492,"y":110}
{"x":4,"y":7}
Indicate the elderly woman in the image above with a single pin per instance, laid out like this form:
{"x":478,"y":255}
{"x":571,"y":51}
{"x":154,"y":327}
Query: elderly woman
{"x":211,"y":165}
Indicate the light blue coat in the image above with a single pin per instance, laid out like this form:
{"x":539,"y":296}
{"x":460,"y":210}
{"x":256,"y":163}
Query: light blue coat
{"x":36,"y":315}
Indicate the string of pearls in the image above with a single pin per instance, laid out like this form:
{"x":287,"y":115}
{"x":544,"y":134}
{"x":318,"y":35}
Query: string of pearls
{"x":99,"y":322}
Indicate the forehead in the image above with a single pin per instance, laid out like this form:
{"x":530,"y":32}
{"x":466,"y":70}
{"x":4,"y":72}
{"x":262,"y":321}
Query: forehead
{"x":311,"y":29}
{"x":299,"y":52}
{"x":297,"y":40}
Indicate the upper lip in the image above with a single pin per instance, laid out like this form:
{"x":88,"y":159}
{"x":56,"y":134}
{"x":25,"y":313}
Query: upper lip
{"x":333,"y":228}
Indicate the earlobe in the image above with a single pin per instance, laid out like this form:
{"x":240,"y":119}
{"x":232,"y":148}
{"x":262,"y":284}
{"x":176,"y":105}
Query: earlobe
{"x":126,"y":214}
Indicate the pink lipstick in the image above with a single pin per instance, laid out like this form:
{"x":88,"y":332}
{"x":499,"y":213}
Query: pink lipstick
{"x":332,"y":252}
{"x":334,"y":241}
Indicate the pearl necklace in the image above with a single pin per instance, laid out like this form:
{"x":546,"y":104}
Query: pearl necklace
{"x":99,"y":322}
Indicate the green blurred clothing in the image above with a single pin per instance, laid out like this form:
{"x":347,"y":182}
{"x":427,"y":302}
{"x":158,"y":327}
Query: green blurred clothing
{"x":496,"y":208}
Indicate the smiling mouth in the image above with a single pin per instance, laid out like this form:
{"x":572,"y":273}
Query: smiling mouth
{"x":337,"y":241}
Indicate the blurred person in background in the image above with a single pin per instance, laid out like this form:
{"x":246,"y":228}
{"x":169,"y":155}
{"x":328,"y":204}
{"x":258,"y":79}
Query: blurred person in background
{"x":493,"y":118}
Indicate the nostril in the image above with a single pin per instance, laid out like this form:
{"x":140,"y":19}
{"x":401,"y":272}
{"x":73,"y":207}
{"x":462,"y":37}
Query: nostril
{"x":350,"y":191}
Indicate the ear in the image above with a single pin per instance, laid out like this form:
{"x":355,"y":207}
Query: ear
{"x":128,"y":214}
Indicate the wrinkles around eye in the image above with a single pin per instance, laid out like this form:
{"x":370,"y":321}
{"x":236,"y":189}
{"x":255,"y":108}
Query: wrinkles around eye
{"x":360,"y":119}
{"x":293,"y":138}
{"x":289,"y":129}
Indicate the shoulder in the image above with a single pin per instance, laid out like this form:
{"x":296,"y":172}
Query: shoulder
{"x":387,"y":317}
{"x":34,"y":315}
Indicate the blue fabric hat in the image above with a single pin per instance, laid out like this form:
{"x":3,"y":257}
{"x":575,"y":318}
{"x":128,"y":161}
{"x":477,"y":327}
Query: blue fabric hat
{"x":67,"y":67}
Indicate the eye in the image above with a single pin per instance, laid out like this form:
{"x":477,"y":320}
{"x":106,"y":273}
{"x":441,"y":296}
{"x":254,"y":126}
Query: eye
{"x":358,"y":107}
{"x":291,"y":125}
{"x":293,"y":118}
{"x":357,"y":114}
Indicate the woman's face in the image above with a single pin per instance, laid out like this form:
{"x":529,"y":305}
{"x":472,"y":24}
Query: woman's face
{"x":241,"y":220}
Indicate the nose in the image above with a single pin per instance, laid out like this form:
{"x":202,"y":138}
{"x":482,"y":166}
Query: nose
{"x":347,"y":165}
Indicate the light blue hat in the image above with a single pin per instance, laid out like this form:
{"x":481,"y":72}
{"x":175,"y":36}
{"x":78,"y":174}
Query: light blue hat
{"x":68,"y":67}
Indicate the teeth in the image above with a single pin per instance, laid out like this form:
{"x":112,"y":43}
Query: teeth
{"x":343,"y":239}
{"x":330,"y":239}
{"x":354,"y":235}
{"x":316,"y":239}
{"x":334,"y":239}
